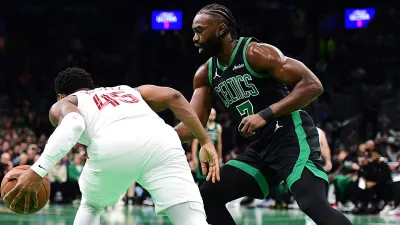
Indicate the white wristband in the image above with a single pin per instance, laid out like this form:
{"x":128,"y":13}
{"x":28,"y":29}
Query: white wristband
{"x":42,"y":166}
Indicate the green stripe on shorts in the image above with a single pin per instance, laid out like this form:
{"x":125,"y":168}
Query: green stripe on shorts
{"x":254,"y":172}
{"x":303,"y":160}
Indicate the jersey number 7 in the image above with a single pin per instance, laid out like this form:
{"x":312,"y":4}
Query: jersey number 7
{"x":245,"y":109}
{"x":114,"y":99}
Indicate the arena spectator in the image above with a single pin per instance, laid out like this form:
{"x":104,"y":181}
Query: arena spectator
{"x":5,"y":164}
{"x":74,"y":172}
{"x":58,"y":178}
{"x":373,"y":183}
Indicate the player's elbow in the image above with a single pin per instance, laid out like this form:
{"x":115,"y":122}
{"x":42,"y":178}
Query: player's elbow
{"x":316,"y":88}
{"x":78,"y":124}
{"x":173,"y":99}
{"x":80,"y":128}
{"x":319,"y":89}
{"x":174,"y":95}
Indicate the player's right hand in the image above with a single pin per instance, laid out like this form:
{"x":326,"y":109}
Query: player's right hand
{"x":208,"y":155}
{"x":28,"y":186}
{"x":328,"y":166}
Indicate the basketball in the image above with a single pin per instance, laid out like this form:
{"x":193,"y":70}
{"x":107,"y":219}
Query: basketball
{"x":42,"y":196}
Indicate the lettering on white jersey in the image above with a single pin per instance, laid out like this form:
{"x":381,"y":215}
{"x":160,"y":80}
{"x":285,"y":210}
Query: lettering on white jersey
{"x":103,"y":106}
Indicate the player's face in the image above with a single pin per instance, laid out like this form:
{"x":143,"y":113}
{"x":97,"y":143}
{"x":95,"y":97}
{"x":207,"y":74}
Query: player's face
{"x":213,"y":115}
{"x":206,"y":36}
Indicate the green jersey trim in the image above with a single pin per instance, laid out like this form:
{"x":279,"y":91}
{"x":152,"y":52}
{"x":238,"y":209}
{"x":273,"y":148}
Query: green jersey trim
{"x":302,"y":161}
{"x":223,"y":68}
{"x":254,"y":172}
{"x":252,"y":72}
{"x":210,"y":71}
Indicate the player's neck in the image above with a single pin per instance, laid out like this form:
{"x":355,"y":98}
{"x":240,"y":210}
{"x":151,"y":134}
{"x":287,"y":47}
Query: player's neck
{"x":83,"y":89}
{"x":227,"y":49}
{"x":210,"y":123}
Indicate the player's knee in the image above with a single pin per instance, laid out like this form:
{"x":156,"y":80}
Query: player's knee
{"x":90,"y":206}
{"x":310,"y":202}
{"x":305,"y":203}
{"x":196,"y":214}
{"x":90,"y":209}
{"x":187,"y":213}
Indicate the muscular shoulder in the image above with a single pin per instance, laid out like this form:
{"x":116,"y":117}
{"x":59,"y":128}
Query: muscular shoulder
{"x":53,"y":112}
{"x":57,"y":108}
{"x":201,"y":77}
{"x":262,"y":56}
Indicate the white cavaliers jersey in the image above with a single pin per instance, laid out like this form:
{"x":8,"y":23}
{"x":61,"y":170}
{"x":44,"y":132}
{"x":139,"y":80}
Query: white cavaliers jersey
{"x":103,"y":106}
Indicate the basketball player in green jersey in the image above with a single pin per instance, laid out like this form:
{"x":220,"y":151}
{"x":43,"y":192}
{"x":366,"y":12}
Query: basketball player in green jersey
{"x":214,"y":130}
{"x":251,"y":80}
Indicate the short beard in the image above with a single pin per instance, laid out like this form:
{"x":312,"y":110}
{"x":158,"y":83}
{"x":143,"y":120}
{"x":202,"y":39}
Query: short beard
{"x":212,"y":47}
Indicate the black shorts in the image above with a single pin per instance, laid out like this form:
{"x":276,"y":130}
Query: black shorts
{"x":293,"y":146}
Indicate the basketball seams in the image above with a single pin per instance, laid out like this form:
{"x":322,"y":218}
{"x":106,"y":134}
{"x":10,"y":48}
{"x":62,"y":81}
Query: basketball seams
{"x":1,"y":191}
{"x":2,"y":187}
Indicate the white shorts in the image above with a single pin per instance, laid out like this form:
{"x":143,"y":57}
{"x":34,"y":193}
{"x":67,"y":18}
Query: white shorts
{"x":136,"y":151}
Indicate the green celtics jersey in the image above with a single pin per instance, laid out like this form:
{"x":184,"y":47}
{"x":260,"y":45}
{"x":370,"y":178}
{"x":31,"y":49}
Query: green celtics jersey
{"x":242,"y":90}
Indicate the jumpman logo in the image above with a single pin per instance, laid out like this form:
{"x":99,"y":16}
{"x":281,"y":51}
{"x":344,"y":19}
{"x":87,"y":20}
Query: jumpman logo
{"x":216,"y":74}
{"x":277,"y":126}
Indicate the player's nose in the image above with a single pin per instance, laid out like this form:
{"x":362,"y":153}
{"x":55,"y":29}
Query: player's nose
{"x":196,"y":39}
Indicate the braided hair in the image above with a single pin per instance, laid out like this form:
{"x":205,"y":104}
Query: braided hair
{"x":224,"y":13}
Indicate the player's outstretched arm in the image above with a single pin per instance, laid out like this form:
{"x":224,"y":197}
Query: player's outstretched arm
{"x":70,"y":127}
{"x":266,"y":58}
{"x":160,"y":98}
{"x":201,"y":102}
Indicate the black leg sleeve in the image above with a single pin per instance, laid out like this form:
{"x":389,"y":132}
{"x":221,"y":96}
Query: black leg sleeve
{"x":310,"y":194}
{"x":234,"y":184}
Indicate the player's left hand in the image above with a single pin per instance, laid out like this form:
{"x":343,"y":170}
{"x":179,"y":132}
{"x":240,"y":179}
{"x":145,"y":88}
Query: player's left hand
{"x":208,"y":155}
{"x":251,"y":123}
{"x":27,"y":187}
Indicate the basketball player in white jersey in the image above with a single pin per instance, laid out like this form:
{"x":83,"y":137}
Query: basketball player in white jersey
{"x":127,"y":142}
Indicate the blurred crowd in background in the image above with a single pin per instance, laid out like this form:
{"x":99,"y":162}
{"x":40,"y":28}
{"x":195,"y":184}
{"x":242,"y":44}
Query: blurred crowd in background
{"x":359,"y":70}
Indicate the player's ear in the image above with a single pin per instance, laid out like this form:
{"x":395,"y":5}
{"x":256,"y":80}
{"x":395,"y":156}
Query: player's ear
{"x":222,"y":29}
{"x":61,"y":96}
